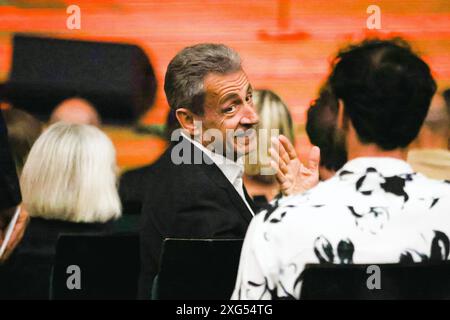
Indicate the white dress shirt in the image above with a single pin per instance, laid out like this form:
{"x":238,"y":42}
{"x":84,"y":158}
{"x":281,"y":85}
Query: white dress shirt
{"x":374,"y":210}
{"x":233,"y":170}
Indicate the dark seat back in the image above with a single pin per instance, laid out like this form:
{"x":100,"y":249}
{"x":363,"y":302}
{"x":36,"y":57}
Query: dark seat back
{"x":109,"y":266}
{"x":396,"y":281}
{"x":197,"y":269}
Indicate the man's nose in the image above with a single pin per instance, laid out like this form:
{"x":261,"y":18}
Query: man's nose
{"x":250,"y":117}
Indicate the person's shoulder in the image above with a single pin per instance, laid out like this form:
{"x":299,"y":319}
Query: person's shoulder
{"x":301,"y":211}
{"x":289,"y":228}
{"x":137,"y":174}
{"x":181,"y":155}
{"x":332,"y":192}
{"x":163,"y":169}
{"x":439,"y":184}
{"x":436,"y":183}
{"x":436,"y":191}
{"x":181,"y":182}
{"x":327,"y":202}
{"x":422,"y":182}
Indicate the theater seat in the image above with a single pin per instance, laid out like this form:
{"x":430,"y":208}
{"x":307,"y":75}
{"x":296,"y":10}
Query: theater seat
{"x":197,"y":269}
{"x":108,"y":264}
{"x":396,"y":281}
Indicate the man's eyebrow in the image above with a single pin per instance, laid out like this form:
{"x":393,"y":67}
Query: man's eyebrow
{"x":228,"y":97}
{"x":234,"y":95}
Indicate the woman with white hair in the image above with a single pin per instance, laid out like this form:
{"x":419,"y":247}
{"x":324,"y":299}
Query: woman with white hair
{"x":68,"y":186}
{"x":70,"y":175}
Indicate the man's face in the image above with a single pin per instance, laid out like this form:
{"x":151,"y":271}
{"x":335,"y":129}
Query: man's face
{"x":229,"y":109}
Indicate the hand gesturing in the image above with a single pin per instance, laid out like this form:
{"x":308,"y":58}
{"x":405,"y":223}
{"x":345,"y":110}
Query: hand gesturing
{"x":291,"y":174}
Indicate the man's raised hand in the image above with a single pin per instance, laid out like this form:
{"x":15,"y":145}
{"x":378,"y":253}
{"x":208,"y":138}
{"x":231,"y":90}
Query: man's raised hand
{"x":291,"y":174}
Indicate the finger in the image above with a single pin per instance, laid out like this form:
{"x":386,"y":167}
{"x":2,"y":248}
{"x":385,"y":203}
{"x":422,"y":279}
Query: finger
{"x":279,"y":148}
{"x":279,"y":175}
{"x":289,"y":148}
{"x":284,"y":168}
{"x":276,"y":158}
{"x":314,"y":159}
{"x":286,"y":186}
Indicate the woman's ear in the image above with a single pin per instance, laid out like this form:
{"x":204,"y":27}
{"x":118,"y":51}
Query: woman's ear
{"x":186,"y":119}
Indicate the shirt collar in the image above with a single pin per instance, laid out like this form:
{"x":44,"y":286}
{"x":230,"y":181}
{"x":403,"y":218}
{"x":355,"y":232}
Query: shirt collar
{"x":231,"y":169}
{"x":384,"y":165}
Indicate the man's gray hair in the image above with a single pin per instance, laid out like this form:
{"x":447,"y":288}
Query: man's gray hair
{"x":187,"y":70}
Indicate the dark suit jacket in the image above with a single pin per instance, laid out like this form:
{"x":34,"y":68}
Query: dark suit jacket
{"x":189,"y":201}
{"x":9,"y":185}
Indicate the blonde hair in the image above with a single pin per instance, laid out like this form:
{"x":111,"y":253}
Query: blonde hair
{"x":70,"y":175}
{"x":273,"y":115}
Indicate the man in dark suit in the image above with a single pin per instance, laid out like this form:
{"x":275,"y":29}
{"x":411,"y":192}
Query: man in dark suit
{"x":10,"y":196}
{"x":200,"y":193}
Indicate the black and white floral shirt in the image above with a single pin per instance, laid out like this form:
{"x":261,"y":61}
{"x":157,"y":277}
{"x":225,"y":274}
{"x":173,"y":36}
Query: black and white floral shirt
{"x":374,"y":210}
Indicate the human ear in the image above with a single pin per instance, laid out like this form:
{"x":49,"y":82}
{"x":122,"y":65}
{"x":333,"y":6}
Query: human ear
{"x":186,"y":119}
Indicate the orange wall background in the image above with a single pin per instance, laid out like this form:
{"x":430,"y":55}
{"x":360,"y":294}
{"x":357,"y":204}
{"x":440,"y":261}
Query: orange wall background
{"x":285,"y":44}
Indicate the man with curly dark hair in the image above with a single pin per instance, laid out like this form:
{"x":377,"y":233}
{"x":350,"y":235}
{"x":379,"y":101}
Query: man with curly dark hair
{"x":376,"y":209}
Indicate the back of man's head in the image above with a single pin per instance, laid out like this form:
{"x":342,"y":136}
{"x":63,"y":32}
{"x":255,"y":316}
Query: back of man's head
{"x":386,"y":90}
{"x":76,"y":110}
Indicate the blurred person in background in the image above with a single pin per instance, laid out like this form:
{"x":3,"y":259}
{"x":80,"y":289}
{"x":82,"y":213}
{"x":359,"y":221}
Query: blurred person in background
{"x":429,"y":153}
{"x":321,"y":127}
{"x":259,"y":177}
{"x":69,"y":186}
{"x":10,"y":196}
{"x":23,"y":130}
{"x":76,"y":110}
{"x":446,"y":95}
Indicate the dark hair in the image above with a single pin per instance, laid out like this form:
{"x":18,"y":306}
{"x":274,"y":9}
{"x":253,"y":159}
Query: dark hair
{"x":321,"y":127}
{"x":446,"y":95}
{"x":386,"y":90}
{"x":23,"y":131}
{"x":183,"y":82}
